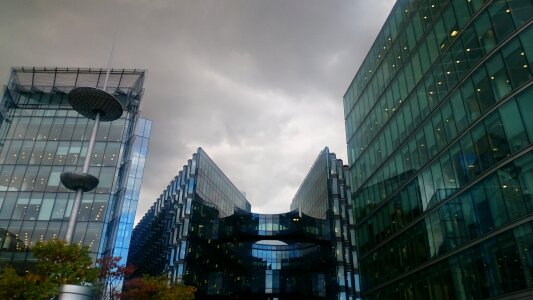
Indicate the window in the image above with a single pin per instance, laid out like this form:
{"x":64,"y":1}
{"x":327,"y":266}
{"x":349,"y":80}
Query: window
{"x":46,"y":208}
{"x":513,"y":126}
{"x":500,"y":15}
{"x":517,"y":65}
{"x":483,"y":90}
{"x":485,"y":33}
{"x":497,"y":141}
{"x":526,"y":109}
{"x":459,"y":111}
{"x":501,"y":85}
{"x":481,"y":145}
{"x":495,"y":200}
{"x":471,"y":104}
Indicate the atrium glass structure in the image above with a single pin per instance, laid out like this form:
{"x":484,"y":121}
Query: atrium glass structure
{"x":41,"y":136}
{"x":201,"y":232}
{"x":440,"y":131}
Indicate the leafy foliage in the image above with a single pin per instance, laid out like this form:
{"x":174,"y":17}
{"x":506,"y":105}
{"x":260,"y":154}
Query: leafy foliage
{"x":57,"y":264}
{"x":111,"y":274}
{"x":64,"y":264}
{"x":30,"y":286}
{"x":148,"y":287}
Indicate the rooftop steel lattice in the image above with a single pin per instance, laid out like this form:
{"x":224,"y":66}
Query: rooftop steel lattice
{"x":58,"y":80}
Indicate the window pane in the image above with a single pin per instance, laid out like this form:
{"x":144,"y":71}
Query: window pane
{"x":471,"y":104}
{"x":499,"y":14}
{"x":485,"y":32}
{"x":495,"y":199}
{"x":459,"y":111}
{"x":526,"y":109}
{"x":496,"y":135}
{"x":483,"y":90}
{"x":513,"y":126}
{"x":500,"y":82}
{"x":516,"y":63}
{"x":46,"y":208}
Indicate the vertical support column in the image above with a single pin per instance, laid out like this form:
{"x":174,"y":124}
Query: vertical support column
{"x":69,"y":235}
{"x":100,"y":106}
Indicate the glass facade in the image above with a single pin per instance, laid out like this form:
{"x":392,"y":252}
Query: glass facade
{"x":194,"y":199}
{"x":439,"y":132}
{"x":325,"y":194}
{"x":201,"y":232}
{"x":41,"y":137}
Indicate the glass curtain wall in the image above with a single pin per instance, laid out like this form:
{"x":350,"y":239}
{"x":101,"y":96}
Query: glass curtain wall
{"x":41,"y":137}
{"x":439,"y":133}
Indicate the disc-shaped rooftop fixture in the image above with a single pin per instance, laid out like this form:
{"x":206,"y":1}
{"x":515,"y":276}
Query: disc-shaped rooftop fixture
{"x":89,"y":101}
{"x":78,"y":180}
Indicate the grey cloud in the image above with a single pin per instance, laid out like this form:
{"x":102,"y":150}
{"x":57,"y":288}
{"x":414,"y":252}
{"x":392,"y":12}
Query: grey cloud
{"x":258,"y":84}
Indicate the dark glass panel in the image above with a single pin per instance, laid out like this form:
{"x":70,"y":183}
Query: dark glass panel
{"x":483,"y":90}
{"x":481,"y":145}
{"x":524,"y":241}
{"x":481,"y":207}
{"x":500,"y":15}
{"x":468,"y":157}
{"x":435,"y":236}
{"x":440,"y":82}
{"x":496,"y":135}
{"x":522,"y":169}
{"x":516,"y":63}
{"x":473,"y":111}
{"x":493,"y":190}
{"x":448,"y":121}
{"x":461,"y":11}
{"x":449,"y":69}
{"x":439,"y":130}
{"x":440,"y":34}
{"x":511,"y":274}
{"x":526,"y":37}
{"x":425,"y":61}
{"x":422,"y":149}
{"x":459,"y":112}
{"x":521,"y":10}
{"x":459,"y":58}
{"x":485,"y":32}
{"x":513,"y":126}
{"x":526,"y":110}
{"x":500,"y":82}
{"x":430,"y":144}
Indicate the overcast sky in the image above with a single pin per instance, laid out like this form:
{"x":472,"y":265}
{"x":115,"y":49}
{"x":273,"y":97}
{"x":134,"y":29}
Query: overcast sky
{"x":258,"y":84}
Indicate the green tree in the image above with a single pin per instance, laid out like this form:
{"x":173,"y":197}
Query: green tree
{"x":62,"y":264}
{"x":57,"y":264}
{"x":29,"y":286}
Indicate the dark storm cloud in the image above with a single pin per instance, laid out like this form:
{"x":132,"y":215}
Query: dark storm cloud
{"x":257,"y":84}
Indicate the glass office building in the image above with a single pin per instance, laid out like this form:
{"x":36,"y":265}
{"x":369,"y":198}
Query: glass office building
{"x":325,"y":194}
{"x":41,"y":136}
{"x":201,"y":232}
{"x":440,"y":131}
{"x":197,"y":196}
